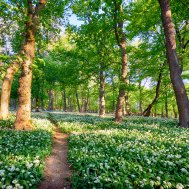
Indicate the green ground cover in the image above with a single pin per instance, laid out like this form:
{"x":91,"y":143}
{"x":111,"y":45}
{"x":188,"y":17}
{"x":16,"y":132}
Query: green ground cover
{"x":22,"y":153}
{"x":140,"y":153}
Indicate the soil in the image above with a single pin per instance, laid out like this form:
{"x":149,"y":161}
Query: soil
{"x":57,"y":170}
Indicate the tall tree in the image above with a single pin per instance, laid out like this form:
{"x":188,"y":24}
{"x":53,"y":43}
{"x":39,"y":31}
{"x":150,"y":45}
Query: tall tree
{"x":121,"y":41}
{"x":102,"y":91}
{"x":147,"y":111}
{"x":29,"y":15}
{"x":175,"y":72}
{"x":28,"y":52}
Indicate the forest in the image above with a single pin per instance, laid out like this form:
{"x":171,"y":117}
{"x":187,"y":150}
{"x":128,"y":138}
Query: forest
{"x":94,"y":94}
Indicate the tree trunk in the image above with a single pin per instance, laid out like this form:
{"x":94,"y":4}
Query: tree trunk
{"x":166,"y":105}
{"x":82,"y":101}
{"x":127,"y":104}
{"x":102,"y":93}
{"x":65,"y":104}
{"x":23,"y":116}
{"x":86,"y":102}
{"x":147,"y":111}
{"x":140,"y":98}
{"x":162,"y":112}
{"x":42,"y":99}
{"x":37,"y":104}
{"x":77,"y":98}
{"x":121,"y":41}
{"x":6,"y":89}
{"x":113,"y":88}
{"x":175,"y":72}
{"x":175,"y":112}
{"x":69,"y":104}
{"x":155,"y":110}
{"x":42,"y":104}
{"x":51,"y":100}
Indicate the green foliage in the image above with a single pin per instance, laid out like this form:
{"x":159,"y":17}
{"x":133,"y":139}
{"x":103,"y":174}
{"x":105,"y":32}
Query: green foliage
{"x":140,"y":153}
{"x":8,"y":123}
{"x":23,"y":152}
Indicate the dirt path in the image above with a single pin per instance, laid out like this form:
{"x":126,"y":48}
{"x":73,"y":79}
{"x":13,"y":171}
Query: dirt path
{"x":57,"y":170}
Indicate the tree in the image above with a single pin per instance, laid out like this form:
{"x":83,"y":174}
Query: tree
{"x":175,"y":72}
{"x":29,"y":15}
{"x":121,"y":41}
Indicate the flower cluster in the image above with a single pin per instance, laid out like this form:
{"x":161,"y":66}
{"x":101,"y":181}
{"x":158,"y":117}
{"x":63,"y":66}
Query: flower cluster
{"x":140,"y":153}
{"x":22,"y":155}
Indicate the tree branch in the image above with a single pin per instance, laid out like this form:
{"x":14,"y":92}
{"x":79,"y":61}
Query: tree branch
{"x":115,"y":23}
{"x":186,"y":44}
{"x":39,"y":7}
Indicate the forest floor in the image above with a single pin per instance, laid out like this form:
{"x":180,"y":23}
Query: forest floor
{"x":57,"y":170}
{"x":140,"y":152}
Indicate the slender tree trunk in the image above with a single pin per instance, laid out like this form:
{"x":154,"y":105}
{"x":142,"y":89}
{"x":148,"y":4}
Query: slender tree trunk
{"x":42,"y":104}
{"x":121,"y":41}
{"x":6,"y":89}
{"x":82,"y":101}
{"x":69,"y":103}
{"x":102,"y":93}
{"x":162,"y":111}
{"x":166,"y":105}
{"x":23,"y":116}
{"x":55,"y":100}
{"x":127,"y":104}
{"x":86,"y":102}
{"x":65,"y":104}
{"x":175,"y":72}
{"x":51,"y":100}
{"x":140,"y":98}
{"x":175,"y":112}
{"x":147,"y":111}
{"x":37,"y":104}
{"x":155,"y":110}
{"x":77,"y":98}
{"x":113,"y":89}
{"x":42,"y":97}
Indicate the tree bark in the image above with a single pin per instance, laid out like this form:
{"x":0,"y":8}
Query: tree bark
{"x":127,"y":104}
{"x":69,"y":103}
{"x":113,"y":88}
{"x":175,"y":112}
{"x":121,"y":41}
{"x":37,"y":104}
{"x":175,"y":72}
{"x":140,"y":98}
{"x":23,"y":116}
{"x":77,"y":98}
{"x":147,"y":111}
{"x":6,"y":89}
{"x":65,"y":104}
{"x":155,"y":110}
{"x":51,"y":100}
{"x":166,"y":105}
{"x":86,"y":101}
{"x":102,"y":92}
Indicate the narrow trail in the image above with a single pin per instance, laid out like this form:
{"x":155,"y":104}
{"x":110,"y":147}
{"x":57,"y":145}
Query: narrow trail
{"x":57,"y":171}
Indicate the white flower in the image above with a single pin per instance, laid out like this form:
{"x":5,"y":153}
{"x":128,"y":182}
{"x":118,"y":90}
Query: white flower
{"x":9,"y":187}
{"x":36,"y":162}
{"x":158,"y":178}
{"x":29,"y":165}
{"x":152,"y":183}
{"x":179,"y":186}
{"x":2,"y":172}
{"x":14,"y":181}
{"x":12,"y":168}
{"x":184,"y":170}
